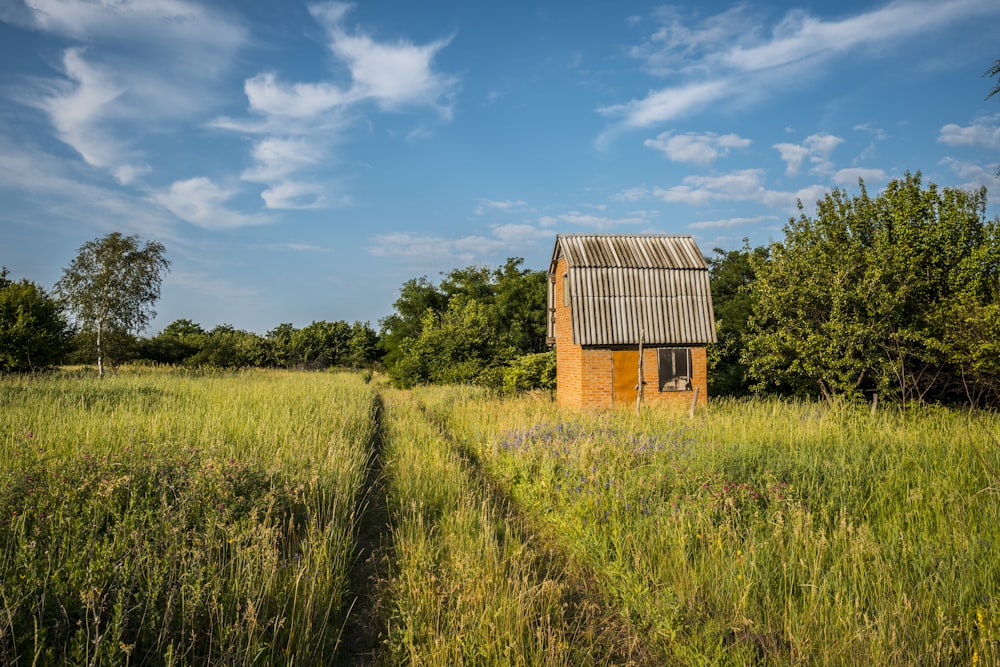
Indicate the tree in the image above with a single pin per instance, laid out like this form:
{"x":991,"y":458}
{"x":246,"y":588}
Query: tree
{"x":864,"y":297}
{"x":511,"y":299}
{"x":111,"y":286}
{"x":33,"y":332}
{"x":731,"y":273}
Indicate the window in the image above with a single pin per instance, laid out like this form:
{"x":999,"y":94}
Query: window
{"x":674,"y":368}
{"x":566,"y":289}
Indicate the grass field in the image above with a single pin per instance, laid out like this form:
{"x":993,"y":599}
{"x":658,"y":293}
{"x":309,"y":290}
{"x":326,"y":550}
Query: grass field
{"x":169,"y":517}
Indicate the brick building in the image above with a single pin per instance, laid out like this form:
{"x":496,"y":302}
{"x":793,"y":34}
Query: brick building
{"x":612,"y":295}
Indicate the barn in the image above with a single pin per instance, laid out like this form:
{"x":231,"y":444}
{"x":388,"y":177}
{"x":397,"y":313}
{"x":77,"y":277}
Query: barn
{"x":625,"y":307}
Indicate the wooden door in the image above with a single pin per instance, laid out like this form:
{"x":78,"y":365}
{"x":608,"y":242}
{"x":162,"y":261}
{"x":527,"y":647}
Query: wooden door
{"x":625,"y":376}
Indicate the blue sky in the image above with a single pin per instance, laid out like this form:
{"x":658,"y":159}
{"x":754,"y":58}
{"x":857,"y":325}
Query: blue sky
{"x":301,"y":161}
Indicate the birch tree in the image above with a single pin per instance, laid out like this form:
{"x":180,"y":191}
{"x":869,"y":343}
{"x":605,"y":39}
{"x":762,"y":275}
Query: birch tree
{"x":112,"y":285}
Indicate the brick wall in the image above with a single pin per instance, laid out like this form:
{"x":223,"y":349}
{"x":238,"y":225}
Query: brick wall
{"x":584,"y":375}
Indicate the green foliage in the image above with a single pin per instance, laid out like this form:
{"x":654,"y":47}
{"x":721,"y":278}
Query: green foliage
{"x":112,"y":284}
{"x":319,"y":345}
{"x":862,"y":297}
{"x":475,"y":322}
{"x":731,"y":275}
{"x":33,"y":332}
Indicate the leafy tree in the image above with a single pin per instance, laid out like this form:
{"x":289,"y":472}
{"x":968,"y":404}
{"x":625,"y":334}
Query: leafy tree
{"x":179,"y":341}
{"x":417,"y":296}
{"x":455,"y":347}
{"x":362,"y":345}
{"x":731,"y":273}
{"x":112,"y":285}
{"x":858,"y":298}
{"x":510,"y":298}
{"x":33,"y":332}
{"x":320,"y":344}
{"x":227,"y":347}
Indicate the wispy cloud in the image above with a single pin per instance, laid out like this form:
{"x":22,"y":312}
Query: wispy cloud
{"x":745,"y":185}
{"x":731,"y":57}
{"x":700,"y":149}
{"x":201,"y":202}
{"x":139,"y":64}
{"x":300,"y":123}
{"x":598,"y":222}
{"x":65,"y":190}
{"x":975,"y":175}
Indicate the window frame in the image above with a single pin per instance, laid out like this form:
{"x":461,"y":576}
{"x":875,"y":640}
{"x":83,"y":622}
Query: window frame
{"x":667,"y":375}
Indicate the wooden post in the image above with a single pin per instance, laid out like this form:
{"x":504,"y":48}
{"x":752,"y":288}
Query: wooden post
{"x":640,"y":387}
{"x":874,"y":403}
{"x":694,"y":402}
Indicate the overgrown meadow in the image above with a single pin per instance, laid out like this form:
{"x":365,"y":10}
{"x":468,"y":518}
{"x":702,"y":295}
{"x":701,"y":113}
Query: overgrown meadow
{"x":273,"y":517}
{"x":176,"y":518}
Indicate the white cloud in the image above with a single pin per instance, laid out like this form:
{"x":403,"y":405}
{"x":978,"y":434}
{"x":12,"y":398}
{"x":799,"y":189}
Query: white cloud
{"x":847,"y":177}
{"x":975,"y":175}
{"x":793,"y":155}
{"x":277,"y":157}
{"x":701,"y":149}
{"x":984,"y":133}
{"x":743,"y":185}
{"x":301,"y":122}
{"x":523,"y":234}
{"x":77,"y":108}
{"x":290,"y":195}
{"x":62,"y":189}
{"x":201,"y":202}
{"x":816,"y":147}
{"x":599,"y":222}
{"x":432,"y":250}
{"x":632,"y":194}
{"x":877,"y":132}
{"x":408,"y":245}
{"x":298,"y":100}
{"x":731,"y":58}
{"x":668,"y":104}
{"x":394,"y":75}
{"x":142,"y":63}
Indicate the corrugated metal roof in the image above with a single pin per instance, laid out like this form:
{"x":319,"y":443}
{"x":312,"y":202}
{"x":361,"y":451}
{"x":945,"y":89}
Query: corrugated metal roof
{"x":646,"y":251}
{"x":621,"y":285}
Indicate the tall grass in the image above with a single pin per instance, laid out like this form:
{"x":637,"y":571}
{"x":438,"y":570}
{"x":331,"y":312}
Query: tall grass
{"x":468,"y":586}
{"x":773,"y":532}
{"x":171,"y":518}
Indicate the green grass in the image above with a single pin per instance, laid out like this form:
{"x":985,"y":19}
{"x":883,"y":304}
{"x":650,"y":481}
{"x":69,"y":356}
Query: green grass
{"x":767,"y":531}
{"x":467,"y":585}
{"x":174,"y":517}
{"x":168,"y":517}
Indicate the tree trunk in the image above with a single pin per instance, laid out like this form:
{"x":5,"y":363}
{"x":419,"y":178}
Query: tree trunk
{"x":100,"y":353}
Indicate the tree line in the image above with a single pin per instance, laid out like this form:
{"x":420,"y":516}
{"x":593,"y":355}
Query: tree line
{"x":895,"y":295}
